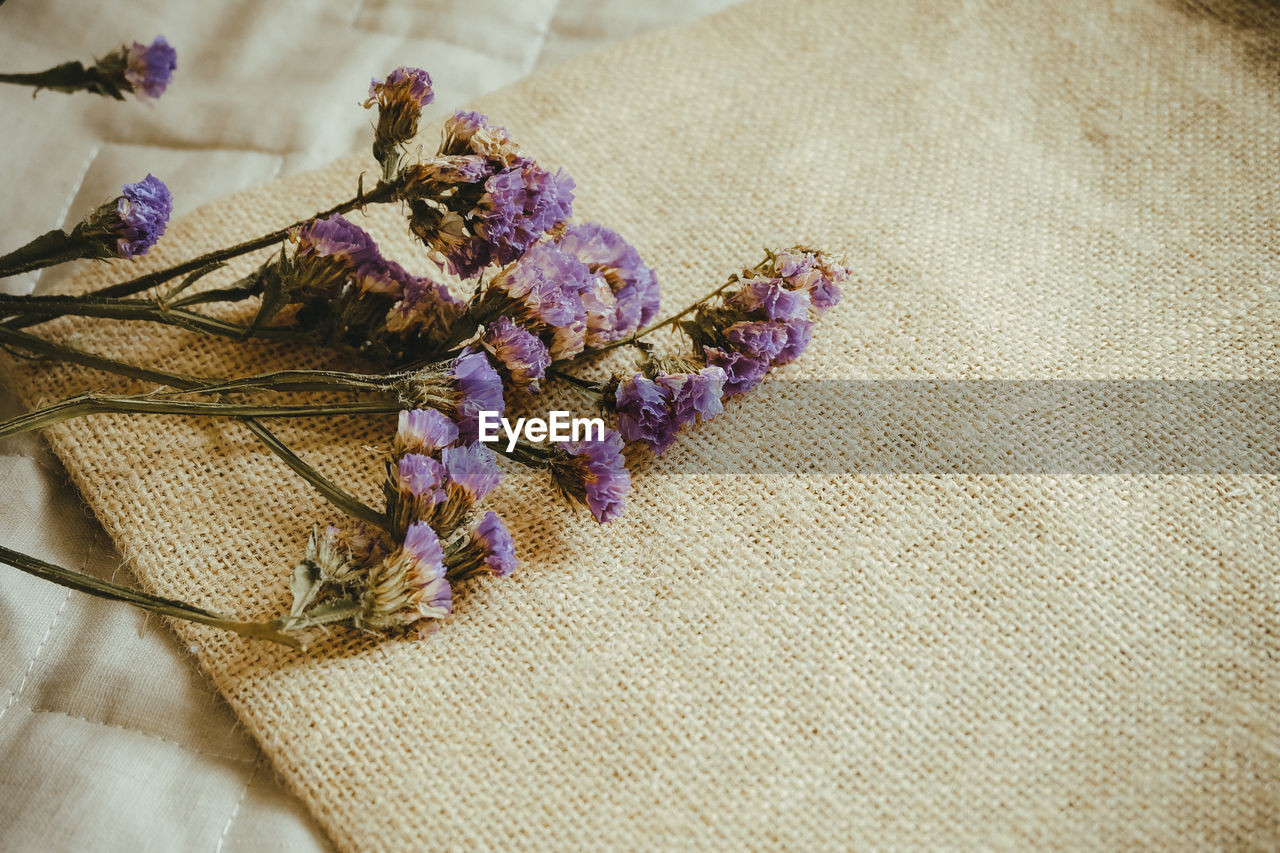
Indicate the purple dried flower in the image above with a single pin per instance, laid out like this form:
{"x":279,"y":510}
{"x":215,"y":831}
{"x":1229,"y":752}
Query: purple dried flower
{"x":814,"y":273}
{"x":768,"y":298}
{"x":594,"y":473}
{"x":644,"y":413}
{"x":472,"y":470}
{"x":400,"y":99}
{"x":422,"y":477}
{"x":141,"y":215}
{"x":479,"y":389}
{"x":519,"y":206}
{"x":799,"y":333}
{"x":428,"y":591}
{"x":694,"y":396}
{"x":406,"y":84}
{"x":149,"y":68}
{"x":742,"y":372}
{"x":542,"y":292}
{"x":634,"y":285}
{"x":525,"y":357}
{"x":489,"y":549}
{"x":757,"y":338}
{"x":470,"y":134}
{"x":424,"y":431}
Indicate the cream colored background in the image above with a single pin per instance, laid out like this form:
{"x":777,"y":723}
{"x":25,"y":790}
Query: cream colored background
{"x":1086,"y":189}
{"x":110,"y":739}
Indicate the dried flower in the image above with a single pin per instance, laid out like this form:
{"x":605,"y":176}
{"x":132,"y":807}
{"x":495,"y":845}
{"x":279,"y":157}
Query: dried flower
{"x":523,"y":355}
{"x":694,"y":396}
{"x":488,"y":549}
{"x":400,"y":99}
{"x":424,"y":432}
{"x":628,"y":295}
{"x":479,"y":389}
{"x":415,"y":488}
{"x":149,"y":68}
{"x":409,"y":584}
{"x":129,"y":225}
{"x":742,"y":372}
{"x":594,"y":473}
{"x":644,"y":413}
{"x":480,"y":201}
{"x":812,"y":272}
{"x":542,"y":293}
{"x":471,"y":474}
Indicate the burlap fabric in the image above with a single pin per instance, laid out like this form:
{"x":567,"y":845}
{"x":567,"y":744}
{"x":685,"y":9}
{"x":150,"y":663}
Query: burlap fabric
{"x":824,"y":659}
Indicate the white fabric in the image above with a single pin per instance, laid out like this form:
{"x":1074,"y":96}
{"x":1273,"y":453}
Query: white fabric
{"x":111,"y":739}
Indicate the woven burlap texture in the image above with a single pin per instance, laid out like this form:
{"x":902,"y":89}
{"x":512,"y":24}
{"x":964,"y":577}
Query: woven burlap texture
{"x":824,"y":660}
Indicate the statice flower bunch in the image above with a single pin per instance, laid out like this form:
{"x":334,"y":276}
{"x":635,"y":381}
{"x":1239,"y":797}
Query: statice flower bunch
{"x":509,"y":295}
{"x":402,"y":578}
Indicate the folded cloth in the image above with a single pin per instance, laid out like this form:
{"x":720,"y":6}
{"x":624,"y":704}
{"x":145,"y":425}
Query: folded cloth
{"x":824,"y":658}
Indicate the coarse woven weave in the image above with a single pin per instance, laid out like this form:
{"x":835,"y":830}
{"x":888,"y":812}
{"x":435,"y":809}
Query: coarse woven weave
{"x":821,"y":660}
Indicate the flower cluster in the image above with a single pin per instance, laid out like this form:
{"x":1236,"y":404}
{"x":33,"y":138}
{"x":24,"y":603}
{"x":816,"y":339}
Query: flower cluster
{"x":594,"y":473}
{"x":481,"y":201}
{"x":585,"y":287}
{"x":352,"y":294}
{"x":400,"y":99}
{"x":767,"y":319}
{"x":654,"y":408}
{"x":463,"y":387}
{"x":763,"y":318}
{"x":129,"y":225}
{"x":394,"y":580}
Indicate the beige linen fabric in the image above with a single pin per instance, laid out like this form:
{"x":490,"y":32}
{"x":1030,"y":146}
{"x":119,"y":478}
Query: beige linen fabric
{"x":1085,"y":190}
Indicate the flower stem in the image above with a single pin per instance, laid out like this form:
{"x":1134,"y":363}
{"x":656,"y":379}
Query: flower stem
{"x":154,"y":603}
{"x":51,"y":248}
{"x":67,"y":77}
{"x":96,"y":404}
{"x":340,"y":498}
{"x":48,"y":307}
{"x":384,"y":192}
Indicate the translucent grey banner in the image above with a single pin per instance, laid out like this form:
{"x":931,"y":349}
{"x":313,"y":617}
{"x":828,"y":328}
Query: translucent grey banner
{"x":1057,"y":427}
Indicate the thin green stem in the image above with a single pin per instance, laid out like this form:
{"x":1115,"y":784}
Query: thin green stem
{"x":135,"y":309}
{"x":154,"y":603}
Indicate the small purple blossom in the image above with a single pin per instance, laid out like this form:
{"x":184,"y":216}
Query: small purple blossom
{"x":149,"y":68}
{"x":334,"y":237}
{"x":424,"y":431}
{"x":421,"y":543}
{"x":596,"y":474}
{"x":644,"y":413}
{"x":742,"y":372}
{"x":633,"y":284}
{"x":757,"y":338}
{"x":813,"y":273}
{"x":499,"y":550}
{"x":472,"y":469}
{"x":422,"y":477}
{"x":767,"y":297}
{"x":694,"y":396}
{"x":525,"y":357}
{"x":142,"y":214}
{"x":799,"y":333}
{"x":479,"y":390}
{"x":429,"y":590}
{"x":543,"y":293}
{"x":406,"y":84}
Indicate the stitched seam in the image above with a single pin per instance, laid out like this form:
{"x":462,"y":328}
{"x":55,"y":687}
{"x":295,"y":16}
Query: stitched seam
{"x":236,"y":810}
{"x":31,"y":665}
{"x":187,"y":747}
